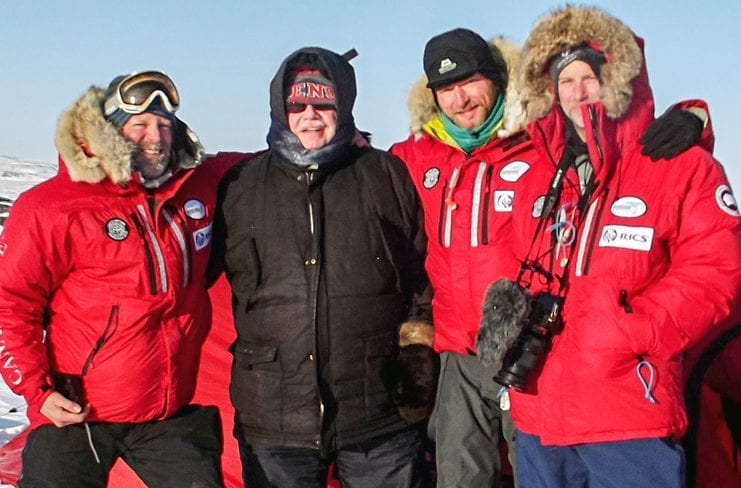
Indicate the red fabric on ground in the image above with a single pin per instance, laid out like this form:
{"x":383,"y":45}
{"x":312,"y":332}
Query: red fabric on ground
{"x":10,"y":459}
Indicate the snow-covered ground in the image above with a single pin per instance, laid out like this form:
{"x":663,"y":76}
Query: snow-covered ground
{"x":16,"y":175}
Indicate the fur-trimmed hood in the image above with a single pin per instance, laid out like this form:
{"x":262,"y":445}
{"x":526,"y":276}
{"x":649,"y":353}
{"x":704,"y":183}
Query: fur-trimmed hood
{"x":421,"y":101}
{"x":570,"y":26}
{"x":92,"y":149}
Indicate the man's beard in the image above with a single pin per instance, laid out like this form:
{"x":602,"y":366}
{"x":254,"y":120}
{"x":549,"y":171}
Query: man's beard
{"x":150,"y":165}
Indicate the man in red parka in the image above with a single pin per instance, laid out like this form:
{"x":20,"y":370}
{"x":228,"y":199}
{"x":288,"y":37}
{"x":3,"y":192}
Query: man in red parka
{"x":644,"y":257}
{"x":103,"y":302}
{"x":464,"y":170}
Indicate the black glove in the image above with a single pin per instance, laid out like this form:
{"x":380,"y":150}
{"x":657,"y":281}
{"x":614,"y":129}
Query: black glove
{"x":416,"y":386}
{"x":673,"y":133}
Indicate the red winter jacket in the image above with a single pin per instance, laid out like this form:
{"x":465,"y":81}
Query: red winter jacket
{"x":100,"y":278}
{"x":468,"y":207}
{"x":653,"y":262}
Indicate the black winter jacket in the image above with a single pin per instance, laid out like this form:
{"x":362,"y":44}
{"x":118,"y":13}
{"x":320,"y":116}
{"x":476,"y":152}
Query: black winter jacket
{"x":324,"y":267}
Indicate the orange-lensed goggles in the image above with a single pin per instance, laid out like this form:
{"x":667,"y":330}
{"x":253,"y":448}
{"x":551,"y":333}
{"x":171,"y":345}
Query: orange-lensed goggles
{"x":136,"y":92}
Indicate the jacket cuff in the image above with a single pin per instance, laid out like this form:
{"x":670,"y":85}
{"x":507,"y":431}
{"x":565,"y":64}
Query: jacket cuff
{"x":37,"y":401}
{"x":416,"y":333}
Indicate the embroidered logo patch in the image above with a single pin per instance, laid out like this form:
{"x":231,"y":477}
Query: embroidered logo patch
{"x":202,"y":237}
{"x":194,"y":209}
{"x":117,"y":229}
{"x":432,"y":176}
{"x":622,"y":236}
{"x":503,"y":200}
{"x":514,"y":171}
{"x":726,"y":201}
{"x":538,"y":207}
{"x":628,"y":207}
{"x":446,"y":65}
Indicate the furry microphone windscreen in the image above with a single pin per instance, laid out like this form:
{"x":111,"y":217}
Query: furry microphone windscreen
{"x":506,"y":305}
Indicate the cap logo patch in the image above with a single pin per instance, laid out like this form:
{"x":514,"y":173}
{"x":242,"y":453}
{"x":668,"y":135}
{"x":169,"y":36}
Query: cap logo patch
{"x":628,"y":207}
{"x":503,"y":200}
{"x":446,"y":65}
{"x":308,"y":89}
{"x":432,"y":176}
{"x":726,"y":201}
{"x":514,"y":171}
{"x":566,"y":58}
{"x":622,"y":236}
{"x":194,"y":209}
{"x":117,"y":229}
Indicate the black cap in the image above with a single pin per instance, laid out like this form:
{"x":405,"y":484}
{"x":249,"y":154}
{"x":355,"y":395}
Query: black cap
{"x":581,"y":52}
{"x":459,"y":53}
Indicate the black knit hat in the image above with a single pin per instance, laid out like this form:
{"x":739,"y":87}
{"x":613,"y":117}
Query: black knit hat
{"x":582,"y":52}
{"x":459,"y":53}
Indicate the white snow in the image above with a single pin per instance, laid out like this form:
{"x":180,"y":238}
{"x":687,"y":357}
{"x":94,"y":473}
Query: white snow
{"x":16,"y":175}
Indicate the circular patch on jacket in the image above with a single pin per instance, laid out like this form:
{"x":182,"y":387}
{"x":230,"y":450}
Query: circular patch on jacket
{"x":117,"y":229}
{"x":432,"y":176}
{"x":726,"y":201}
{"x":194,"y":209}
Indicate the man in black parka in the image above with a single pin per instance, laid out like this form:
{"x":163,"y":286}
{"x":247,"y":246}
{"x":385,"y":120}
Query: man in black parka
{"x":322,"y":240}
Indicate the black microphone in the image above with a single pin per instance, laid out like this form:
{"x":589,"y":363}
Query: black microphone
{"x":506,"y":305}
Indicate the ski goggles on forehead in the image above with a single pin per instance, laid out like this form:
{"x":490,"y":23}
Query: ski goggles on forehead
{"x":136,"y":92}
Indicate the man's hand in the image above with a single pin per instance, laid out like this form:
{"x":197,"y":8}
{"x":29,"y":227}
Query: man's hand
{"x":62,"y":411}
{"x":671,"y":134}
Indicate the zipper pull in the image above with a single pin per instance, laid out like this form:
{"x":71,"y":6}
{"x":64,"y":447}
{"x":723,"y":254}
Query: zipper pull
{"x":451,"y":188}
{"x":624,"y":301}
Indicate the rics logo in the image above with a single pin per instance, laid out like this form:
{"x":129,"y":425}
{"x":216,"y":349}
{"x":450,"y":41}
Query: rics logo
{"x":610,"y":235}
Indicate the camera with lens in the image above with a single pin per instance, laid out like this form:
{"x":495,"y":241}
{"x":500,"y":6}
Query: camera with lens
{"x":527,"y":353}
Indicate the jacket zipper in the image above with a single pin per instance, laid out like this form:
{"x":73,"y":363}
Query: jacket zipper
{"x":476,"y":204}
{"x":485,"y":206}
{"x":147,"y":254}
{"x":314,"y":298}
{"x":584,"y":238}
{"x":589,"y":229}
{"x":450,"y":205}
{"x":180,"y":237}
{"x":159,"y":261}
{"x":110,"y":328}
